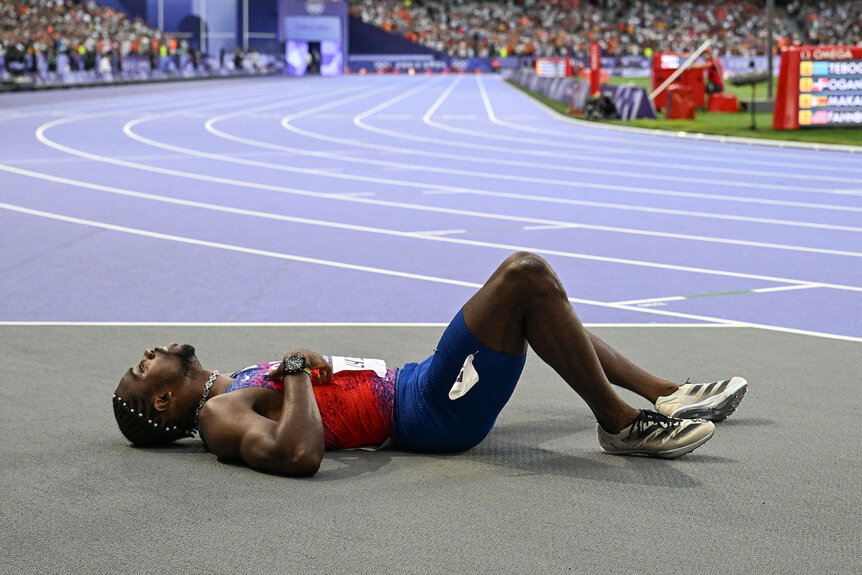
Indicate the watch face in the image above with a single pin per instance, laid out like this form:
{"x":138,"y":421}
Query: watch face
{"x":294,"y":364}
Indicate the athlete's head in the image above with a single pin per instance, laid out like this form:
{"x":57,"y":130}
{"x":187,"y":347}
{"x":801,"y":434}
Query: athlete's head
{"x":156,"y":399}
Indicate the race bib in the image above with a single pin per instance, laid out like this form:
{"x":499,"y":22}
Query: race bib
{"x":340,"y":363}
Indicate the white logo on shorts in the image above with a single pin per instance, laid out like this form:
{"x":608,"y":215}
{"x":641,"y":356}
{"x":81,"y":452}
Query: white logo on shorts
{"x":467,"y":378}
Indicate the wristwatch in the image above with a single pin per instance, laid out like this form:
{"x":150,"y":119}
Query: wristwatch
{"x":294,"y":364}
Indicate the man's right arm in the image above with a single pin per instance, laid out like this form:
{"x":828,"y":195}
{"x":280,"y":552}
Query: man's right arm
{"x":293,"y":445}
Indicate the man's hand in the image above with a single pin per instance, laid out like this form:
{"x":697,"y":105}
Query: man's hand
{"x":293,"y":445}
{"x":315,"y":362}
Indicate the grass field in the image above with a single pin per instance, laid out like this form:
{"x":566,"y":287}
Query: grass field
{"x":738,"y":125}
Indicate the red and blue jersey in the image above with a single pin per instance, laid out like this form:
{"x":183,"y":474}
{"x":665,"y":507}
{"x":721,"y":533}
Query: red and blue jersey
{"x":356,"y":408}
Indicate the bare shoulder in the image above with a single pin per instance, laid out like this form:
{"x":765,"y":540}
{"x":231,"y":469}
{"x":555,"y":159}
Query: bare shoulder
{"x":226,"y":419}
{"x":245,"y":425}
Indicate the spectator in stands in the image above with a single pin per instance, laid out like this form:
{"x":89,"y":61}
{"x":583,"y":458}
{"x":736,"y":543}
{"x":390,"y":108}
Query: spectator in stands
{"x":464,"y":28}
{"x":832,"y":23}
{"x":84,"y":30}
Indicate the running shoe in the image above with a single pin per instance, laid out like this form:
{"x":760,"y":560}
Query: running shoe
{"x":655,"y":435}
{"x":713,"y":401}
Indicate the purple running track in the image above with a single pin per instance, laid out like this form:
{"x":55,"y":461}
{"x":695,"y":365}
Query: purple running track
{"x":390,"y":199}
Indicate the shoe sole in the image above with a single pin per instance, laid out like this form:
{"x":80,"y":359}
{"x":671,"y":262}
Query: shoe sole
{"x":716,"y":408}
{"x":668,"y":454}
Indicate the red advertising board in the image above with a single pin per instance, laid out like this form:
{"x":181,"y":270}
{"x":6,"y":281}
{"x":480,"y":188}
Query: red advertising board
{"x":595,"y":68}
{"x":818,"y":87}
{"x":664,"y":64}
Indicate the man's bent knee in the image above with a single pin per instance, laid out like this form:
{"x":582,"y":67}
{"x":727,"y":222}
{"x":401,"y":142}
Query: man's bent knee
{"x":530,"y":272}
{"x":527,"y":265}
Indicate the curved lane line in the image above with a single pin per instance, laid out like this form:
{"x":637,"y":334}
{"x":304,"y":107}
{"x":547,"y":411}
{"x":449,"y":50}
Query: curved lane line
{"x":686,"y":138}
{"x":387,"y":272}
{"x":358,"y":121}
{"x":40,"y":135}
{"x":415,"y":235}
{"x":664,"y":164}
{"x":127,"y":129}
{"x":605,"y":152}
{"x":318,"y":261}
{"x":722,"y":148}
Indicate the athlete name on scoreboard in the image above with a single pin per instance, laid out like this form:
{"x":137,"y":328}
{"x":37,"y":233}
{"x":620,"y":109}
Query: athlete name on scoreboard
{"x":830,"y":92}
{"x":830,"y":85}
{"x":840,"y":101}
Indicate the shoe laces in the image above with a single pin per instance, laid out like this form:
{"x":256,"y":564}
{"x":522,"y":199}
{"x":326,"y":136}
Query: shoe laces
{"x":647,"y":419}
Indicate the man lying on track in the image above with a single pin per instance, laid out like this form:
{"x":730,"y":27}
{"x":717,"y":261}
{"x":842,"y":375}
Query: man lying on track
{"x":280,"y":417}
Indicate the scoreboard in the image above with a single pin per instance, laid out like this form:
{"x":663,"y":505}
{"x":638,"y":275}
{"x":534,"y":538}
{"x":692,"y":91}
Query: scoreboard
{"x":819,"y":86}
{"x":553,"y":67}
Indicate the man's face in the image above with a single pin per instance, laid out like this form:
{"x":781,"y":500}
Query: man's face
{"x":185,"y":353}
{"x":160,"y":366}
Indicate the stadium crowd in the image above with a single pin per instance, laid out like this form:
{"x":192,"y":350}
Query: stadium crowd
{"x":828,"y":22}
{"x":467,"y":28}
{"x":90,"y":35}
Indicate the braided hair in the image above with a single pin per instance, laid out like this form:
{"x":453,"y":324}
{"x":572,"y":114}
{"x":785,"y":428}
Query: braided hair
{"x":137,"y":419}
{"x":144,"y":429}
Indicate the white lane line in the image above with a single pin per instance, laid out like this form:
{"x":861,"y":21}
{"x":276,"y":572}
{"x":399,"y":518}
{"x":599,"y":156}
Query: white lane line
{"x":440,"y":233}
{"x":402,"y":183}
{"x":381,"y":271}
{"x":183,"y":174}
{"x":286,"y":122}
{"x":132,"y":157}
{"x":281,"y":189}
{"x":411,"y":235}
{"x":785,"y":288}
{"x":666,"y":163}
{"x":353,"y":194}
{"x":234,"y":248}
{"x":599,"y":133}
{"x":414,"y":236}
{"x":715,"y":143}
{"x":475,"y":191}
{"x":656,"y":300}
{"x":532,"y":166}
{"x":359,"y":121}
{"x":418,"y":207}
{"x":541,"y":228}
{"x":652,"y":300}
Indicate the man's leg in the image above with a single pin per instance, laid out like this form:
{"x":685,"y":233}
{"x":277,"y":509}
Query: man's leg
{"x":623,"y":373}
{"x":714,"y":400}
{"x":525,"y":302}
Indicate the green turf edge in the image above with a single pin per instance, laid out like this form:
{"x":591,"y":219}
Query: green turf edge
{"x":723,"y":124}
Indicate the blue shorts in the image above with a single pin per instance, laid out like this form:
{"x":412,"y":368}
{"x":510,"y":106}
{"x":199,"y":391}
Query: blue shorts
{"x":426,"y":419}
